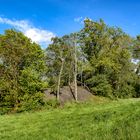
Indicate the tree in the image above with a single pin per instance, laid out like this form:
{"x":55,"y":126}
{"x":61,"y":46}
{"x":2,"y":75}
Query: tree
{"x":136,"y":53}
{"x":22,"y":71}
{"x":136,"y":59}
{"x":62,"y":62}
{"x":75,"y":58}
{"x":106,"y":49}
{"x":56,"y":56}
{"x":73,"y":40}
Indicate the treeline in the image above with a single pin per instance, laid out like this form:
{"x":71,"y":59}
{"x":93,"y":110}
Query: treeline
{"x":104,"y":59}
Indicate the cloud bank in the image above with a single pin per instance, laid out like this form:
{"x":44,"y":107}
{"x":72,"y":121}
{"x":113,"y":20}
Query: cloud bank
{"x":40,"y":36}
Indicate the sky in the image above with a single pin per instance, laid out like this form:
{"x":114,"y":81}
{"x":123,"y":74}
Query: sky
{"x":41,"y":20}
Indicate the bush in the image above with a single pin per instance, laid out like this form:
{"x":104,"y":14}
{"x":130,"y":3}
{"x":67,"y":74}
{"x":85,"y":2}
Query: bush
{"x":53,"y":103}
{"x":30,"y":102}
{"x":137,"y":87}
{"x":100,"y":86}
{"x":125,"y":91}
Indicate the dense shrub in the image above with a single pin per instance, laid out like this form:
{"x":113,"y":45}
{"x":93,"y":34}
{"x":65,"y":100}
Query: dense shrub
{"x":100,"y":86}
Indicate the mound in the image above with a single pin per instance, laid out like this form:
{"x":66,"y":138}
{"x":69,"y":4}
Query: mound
{"x":67,"y":94}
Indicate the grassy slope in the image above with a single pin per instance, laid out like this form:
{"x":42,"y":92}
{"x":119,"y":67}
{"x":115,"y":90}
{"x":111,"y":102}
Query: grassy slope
{"x":117,"y":120}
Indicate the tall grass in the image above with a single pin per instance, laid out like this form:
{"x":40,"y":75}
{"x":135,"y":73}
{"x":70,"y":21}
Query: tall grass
{"x":115,"y":120}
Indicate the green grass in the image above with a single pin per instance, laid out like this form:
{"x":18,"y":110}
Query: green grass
{"x":111,"y":120}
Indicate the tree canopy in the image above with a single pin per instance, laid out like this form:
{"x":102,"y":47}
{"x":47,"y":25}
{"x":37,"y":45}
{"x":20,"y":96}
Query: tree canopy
{"x":104,"y":59}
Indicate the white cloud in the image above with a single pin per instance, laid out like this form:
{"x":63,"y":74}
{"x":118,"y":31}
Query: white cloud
{"x":41,"y":36}
{"x":81,"y":19}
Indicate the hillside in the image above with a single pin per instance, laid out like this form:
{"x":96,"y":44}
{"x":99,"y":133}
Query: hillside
{"x":108,"y":120}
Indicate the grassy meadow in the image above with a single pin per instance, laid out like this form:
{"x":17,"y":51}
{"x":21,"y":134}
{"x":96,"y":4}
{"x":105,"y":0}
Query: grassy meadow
{"x":104,"y":120}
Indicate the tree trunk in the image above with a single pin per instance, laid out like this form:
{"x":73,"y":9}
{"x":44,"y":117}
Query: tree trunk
{"x":70,"y":71}
{"x":75,"y":72}
{"x":59,"y":79}
{"x":82,"y":75}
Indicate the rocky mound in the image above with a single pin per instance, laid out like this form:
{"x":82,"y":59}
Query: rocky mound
{"x":67,"y":94}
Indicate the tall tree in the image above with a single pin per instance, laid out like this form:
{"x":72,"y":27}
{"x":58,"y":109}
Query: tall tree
{"x":62,"y":60}
{"x":106,"y":49}
{"x":22,"y":65}
{"x":136,"y":53}
{"x":57,"y":53}
{"x":136,"y":59}
{"x":75,"y":67}
{"x":74,"y":39}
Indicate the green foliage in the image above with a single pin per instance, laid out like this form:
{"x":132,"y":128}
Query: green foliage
{"x":100,"y":86}
{"x":55,"y":54}
{"x":101,"y":57}
{"x":30,"y":102}
{"x":124,"y":91}
{"x":104,"y":60}
{"x":52,"y":103}
{"x":137,"y":87}
{"x":106,"y":48}
{"x":61,"y":49}
{"x":22,"y":71}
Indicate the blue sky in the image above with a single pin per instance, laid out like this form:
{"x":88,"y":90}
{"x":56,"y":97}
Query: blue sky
{"x":42,"y":19}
